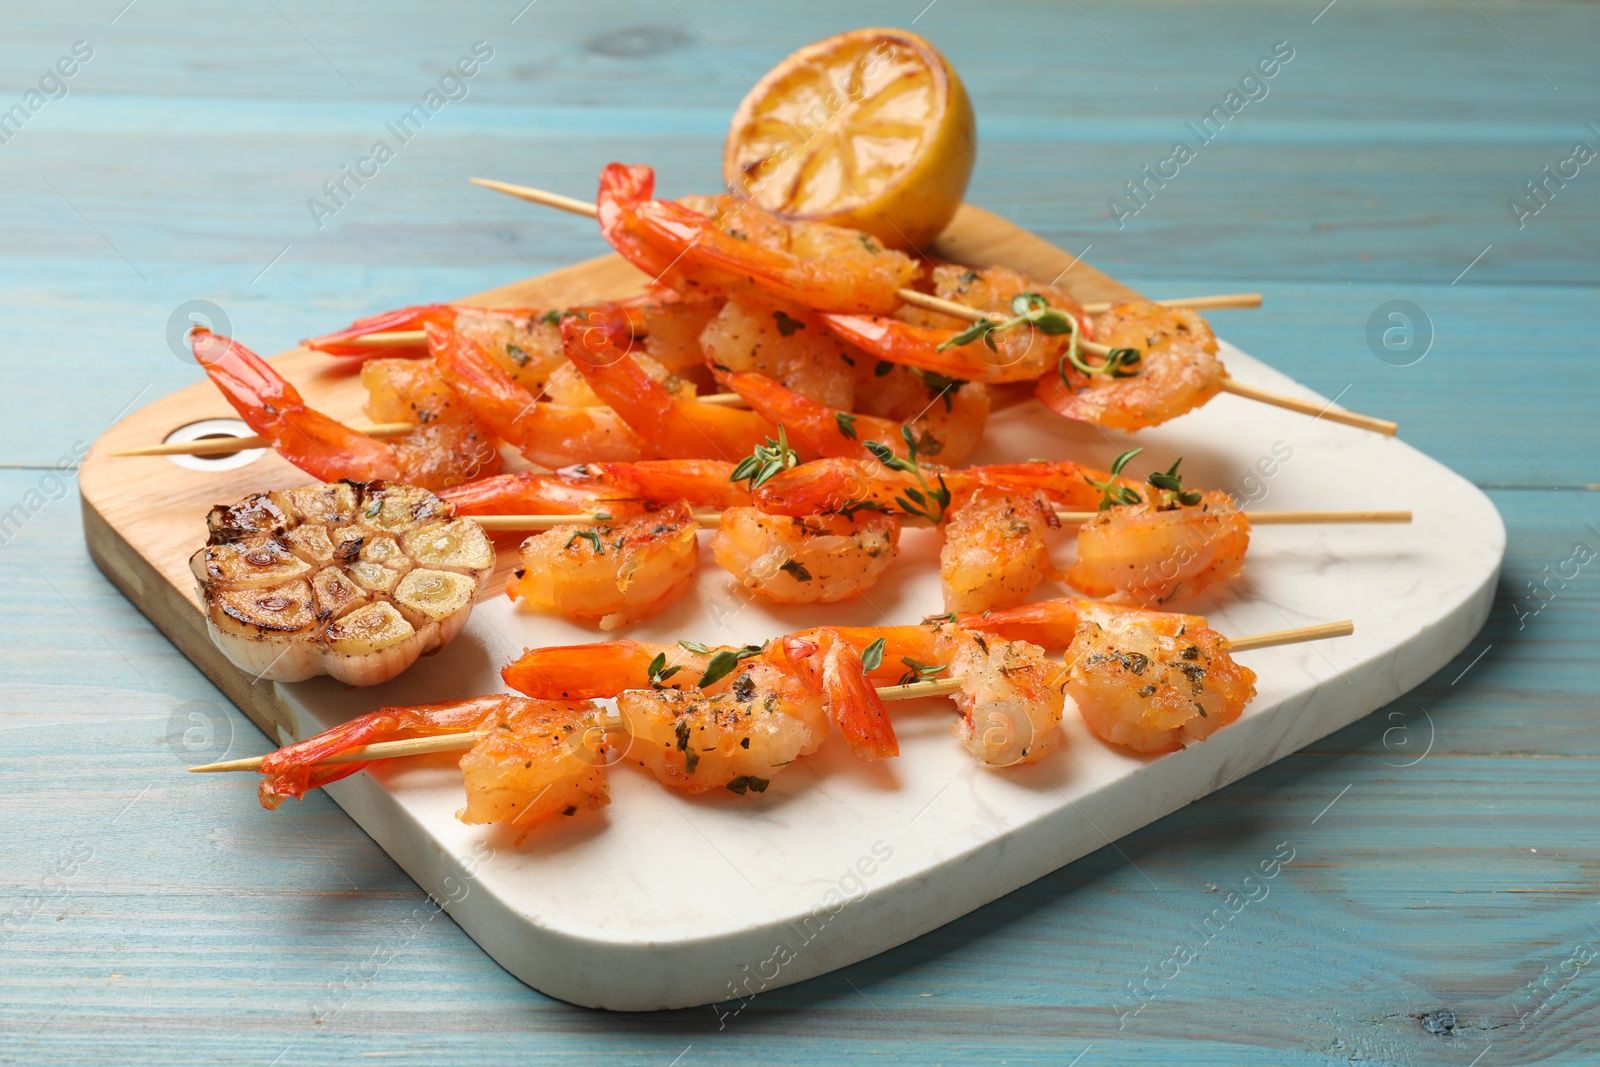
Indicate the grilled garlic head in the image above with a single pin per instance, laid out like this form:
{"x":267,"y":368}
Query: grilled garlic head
{"x":350,"y":579}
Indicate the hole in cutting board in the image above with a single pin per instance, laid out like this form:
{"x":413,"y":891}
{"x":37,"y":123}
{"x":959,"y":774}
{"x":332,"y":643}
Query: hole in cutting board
{"x":214,"y":429}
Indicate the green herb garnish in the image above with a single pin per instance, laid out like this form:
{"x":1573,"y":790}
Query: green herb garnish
{"x":795,"y":569}
{"x":920,"y":672}
{"x":589,"y":535}
{"x":723,"y":663}
{"x":696,"y":647}
{"x":1030,"y":308}
{"x":847,"y":423}
{"x":660,"y":672}
{"x":872,"y":655}
{"x":766,"y":462}
{"x":1112,"y":494}
{"x":747,"y":782}
{"x":928,"y":502}
{"x":1170,"y":482}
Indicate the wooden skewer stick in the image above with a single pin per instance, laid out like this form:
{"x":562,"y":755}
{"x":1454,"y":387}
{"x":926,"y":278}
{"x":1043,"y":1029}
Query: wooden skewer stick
{"x":417,"y":338}
{"x":1319,"y":632}
{"x":394,"y":339}
{"x":712,"y":519}
{"x":1310,"y":407}
{"x":420,"y":746}
{"x":950,"y":307}
{"x":1221,"y":302}
{"x":213,"y":446}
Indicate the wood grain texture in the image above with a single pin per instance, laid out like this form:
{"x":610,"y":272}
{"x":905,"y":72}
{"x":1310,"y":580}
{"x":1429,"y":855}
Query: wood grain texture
{"x":200,"y":929}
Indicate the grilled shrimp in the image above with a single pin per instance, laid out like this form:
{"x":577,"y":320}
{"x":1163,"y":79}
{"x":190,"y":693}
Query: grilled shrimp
{"x":700,"y":718}
{"x":321,"y":446}
{"x":805,"y":560}
{"x":784,"y":342}
{"x":1054,"y":623}
{"x":674,"y":427}
{"x":541,"y":758}
{"x":1148,"y":553}
{"x":527,"y":493}
{"x":612,"y":573}
{"x":730,"y":246}
{"x":1155,"y":684}
{"x":948,"y":426}
{"x":1178,"y":370}
{"x":549,"y":434}
{"x":994,"y":551}
{"x":917,"y":338}
{"x":449,"y":445}
{"x":702,"y":483}
{"x":1010,"y":697}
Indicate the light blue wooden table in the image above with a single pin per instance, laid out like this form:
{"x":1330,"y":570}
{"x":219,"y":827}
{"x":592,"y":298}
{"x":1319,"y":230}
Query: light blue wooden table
{"x":1442,"y":905}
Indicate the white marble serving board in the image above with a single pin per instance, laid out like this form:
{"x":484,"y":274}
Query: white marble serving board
{"x":663,"y":900}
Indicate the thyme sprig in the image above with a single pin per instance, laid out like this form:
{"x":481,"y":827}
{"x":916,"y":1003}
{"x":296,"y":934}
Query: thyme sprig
{"x":766,"y":462}
{"x":660,"y":672}
{"x":920,"y":672}
{"x":723,"y":663}
{"x":1030,"y":308}
{"x":1112,"y":494}
{"x":1170,"y":482}
{"x":928,"y":502}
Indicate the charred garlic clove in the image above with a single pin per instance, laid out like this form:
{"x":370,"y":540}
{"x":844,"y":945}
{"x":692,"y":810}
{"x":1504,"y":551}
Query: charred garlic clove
{"x":355,"y":580}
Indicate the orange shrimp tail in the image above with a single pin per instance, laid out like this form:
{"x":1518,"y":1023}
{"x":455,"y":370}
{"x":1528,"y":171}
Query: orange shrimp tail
{"x":854,"y":703}
{"x":918,"y":346}
{"x":677,"y":429}
{"x":321,"y":446}
{"x":1046,"y":623}
{"x":527,"y":493}
{"x":292,"y":770}
{"x":702,"y":483}
{"x":899,"y":643}
{"x":813,"y":426}
{"x":580,"y":672}
{"x":623,"y":190}
{"x":1063,"y":482}
{"x":830,"y":485}
{"x":348,"y":341}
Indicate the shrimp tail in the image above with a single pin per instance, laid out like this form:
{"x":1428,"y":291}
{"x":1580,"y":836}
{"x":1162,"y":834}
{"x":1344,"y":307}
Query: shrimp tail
{"x":550,"y":434}
{"x":527,"y":493}
{"x":292,"y":770}
{"x":321,"y":446}
{"x":348,"y":341}
{"x":677,"y":429}
{"x":813,"y":426}
{"x":852,"y":701}
{"x":702,"y":483}
{"x":581,"y":672}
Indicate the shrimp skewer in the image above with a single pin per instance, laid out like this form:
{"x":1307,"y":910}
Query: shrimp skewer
{"x":1149,"y":681}
{"x":676,"y":427}
{"x":446,"y":446}
{"x":613,"y":574}
{"x":735,"y":245}
{"x":949,"y":427}
{"x":550,"y":434}
{"x":535,"y":759}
